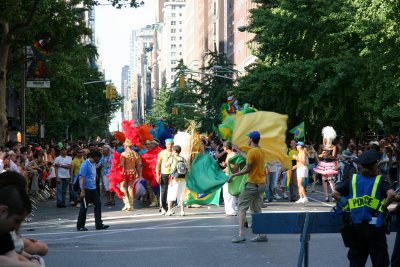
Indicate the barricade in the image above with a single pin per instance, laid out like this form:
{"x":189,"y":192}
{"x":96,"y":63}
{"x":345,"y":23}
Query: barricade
{"x":301,"y":222}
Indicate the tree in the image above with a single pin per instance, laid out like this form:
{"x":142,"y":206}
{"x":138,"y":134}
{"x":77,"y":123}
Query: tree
{"x":184,"y":100}
{"x":22,"y":22}
{"x":326,"y":63}
{"x":213,"y":89}
{"x":159,"y":108}
{"x":308,"y":64}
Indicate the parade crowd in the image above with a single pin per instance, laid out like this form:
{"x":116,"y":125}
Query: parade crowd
{"x":155,"y":171}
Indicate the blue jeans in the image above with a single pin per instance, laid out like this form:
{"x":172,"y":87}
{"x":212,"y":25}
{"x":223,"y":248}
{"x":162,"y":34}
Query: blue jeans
{"x":271,"y":183}
{"x":62,"y":190}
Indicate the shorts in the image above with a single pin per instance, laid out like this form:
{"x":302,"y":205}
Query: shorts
{"x":106,"y":183}
{"x":302,"y":172}
{"x":251,"y":197}
{"x":130,"y":175}
{"x":176,"y":189}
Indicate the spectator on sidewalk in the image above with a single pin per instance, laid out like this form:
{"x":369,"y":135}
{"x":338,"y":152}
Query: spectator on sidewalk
{"x":15,"y":205}
{"x":62,"y":166}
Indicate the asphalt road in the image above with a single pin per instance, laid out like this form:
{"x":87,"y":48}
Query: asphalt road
{"x":201,"y":238}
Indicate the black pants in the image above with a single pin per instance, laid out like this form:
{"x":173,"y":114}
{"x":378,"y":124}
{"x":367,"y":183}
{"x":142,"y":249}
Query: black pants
{"x":92,"y":197}
{"x":164,"y":191}
{"x":396,"y":250}
{"x":370,"y":241}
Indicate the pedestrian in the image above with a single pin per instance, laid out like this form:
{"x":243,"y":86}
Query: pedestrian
{"x":367,"y":195}
{"x":229,"y":200}
{"x":87,"y":182}
{"x":163,"y":172}
{"x":177,"y":184}
{"x":105,"y":165}
{"x":252,"y":194}
{"x":62,"y":165}
{"x":301,"y":171}
{"x":327,"y":165}
{"x":76,"y":166}
{"x":293,"y":152}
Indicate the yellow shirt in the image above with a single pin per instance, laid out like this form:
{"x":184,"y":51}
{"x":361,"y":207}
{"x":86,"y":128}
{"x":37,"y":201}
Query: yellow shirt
{"x":76,"y":165}
{"x":255,"y":157}
{"x":164,"y":157}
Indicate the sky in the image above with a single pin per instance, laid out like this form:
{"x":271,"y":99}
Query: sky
{"x":113,"y":28}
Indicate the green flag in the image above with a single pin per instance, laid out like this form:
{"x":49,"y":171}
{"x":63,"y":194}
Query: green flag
{"x":298,"y":131}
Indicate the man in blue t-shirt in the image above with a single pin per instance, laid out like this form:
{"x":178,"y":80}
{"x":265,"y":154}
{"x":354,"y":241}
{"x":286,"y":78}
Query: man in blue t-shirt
{"x":87,"y":182}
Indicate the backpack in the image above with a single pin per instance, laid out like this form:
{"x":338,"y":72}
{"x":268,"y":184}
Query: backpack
{"x":181,"y":168}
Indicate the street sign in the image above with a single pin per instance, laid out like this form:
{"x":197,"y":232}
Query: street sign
{"x":38,"y":84}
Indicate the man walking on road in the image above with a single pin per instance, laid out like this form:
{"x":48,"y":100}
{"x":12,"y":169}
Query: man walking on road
{"x":252,"y":194}
{"x":87,"y":176}
{"x":163,"y":171}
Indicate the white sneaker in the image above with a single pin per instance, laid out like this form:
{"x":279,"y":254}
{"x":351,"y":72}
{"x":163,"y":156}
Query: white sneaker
{"x":299,"y":201}
{"x":163,"y":211}
{"x":305,"y":200}
{"x":277,"y":197}
{"x":168,"y":213}
{"x":285,"y":196}
{"x":182,"y":213}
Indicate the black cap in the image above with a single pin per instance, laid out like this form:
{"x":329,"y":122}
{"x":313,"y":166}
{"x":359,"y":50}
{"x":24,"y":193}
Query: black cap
{"x":369,"y":157}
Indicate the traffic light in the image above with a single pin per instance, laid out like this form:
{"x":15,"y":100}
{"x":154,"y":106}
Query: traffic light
{"x":108,"y":91}
{"x":182,"y":81}
{"x":113,"y":92}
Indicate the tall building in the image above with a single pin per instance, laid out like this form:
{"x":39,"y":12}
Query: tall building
{"x":196,"y":34}
{"x":142,"y":93}
{"x":172,"y":38}
{"x":242,"y":56}
{"x":125,"y":91}
{"x":216,"y":18}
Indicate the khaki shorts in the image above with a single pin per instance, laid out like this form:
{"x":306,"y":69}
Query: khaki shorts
{"x":251,"y":197}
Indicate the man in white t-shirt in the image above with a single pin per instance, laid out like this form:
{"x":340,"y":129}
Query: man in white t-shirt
{"x":62,"y":165}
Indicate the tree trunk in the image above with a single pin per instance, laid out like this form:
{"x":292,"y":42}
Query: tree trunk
{"x":4,"y":47}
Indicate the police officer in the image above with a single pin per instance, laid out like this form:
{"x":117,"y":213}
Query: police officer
{"x":366,"y":195}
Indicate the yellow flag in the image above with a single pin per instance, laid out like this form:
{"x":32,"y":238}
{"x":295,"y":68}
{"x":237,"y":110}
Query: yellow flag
{"x":272,"y":127}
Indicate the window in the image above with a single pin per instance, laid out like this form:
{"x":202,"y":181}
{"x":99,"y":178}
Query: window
{"x":180,"y":22}
{"x":180,"y":46}
{"x":180,"y":37}
{"x":173,"y":7}
{"x":180,"y":53}
{"x":173,"y":15}
{"x":173,"y":38}
{"x":173,"y":46}
{"x":173,"y":54}
{"x":180,"y":30}
{"x":173,"y":30}
{"x":173,"y":22}
{"x":173,"y":62}
{"x":180,"y":14}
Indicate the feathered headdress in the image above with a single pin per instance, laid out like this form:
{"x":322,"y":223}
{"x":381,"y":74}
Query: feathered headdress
{"x":329,"y":134}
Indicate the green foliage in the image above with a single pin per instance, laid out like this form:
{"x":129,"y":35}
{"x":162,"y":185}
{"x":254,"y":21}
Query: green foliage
{"x":213,"y":89}
{"x":186,"y":100}
{"x":69,"y":103}
{"x":326,"y":63}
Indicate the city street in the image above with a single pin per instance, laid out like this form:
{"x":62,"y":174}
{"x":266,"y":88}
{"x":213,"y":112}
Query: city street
{"x":201,"y":238}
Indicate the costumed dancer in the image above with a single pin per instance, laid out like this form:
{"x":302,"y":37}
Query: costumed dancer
{"x":131,"y":165}
{"x":327,"y":165}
